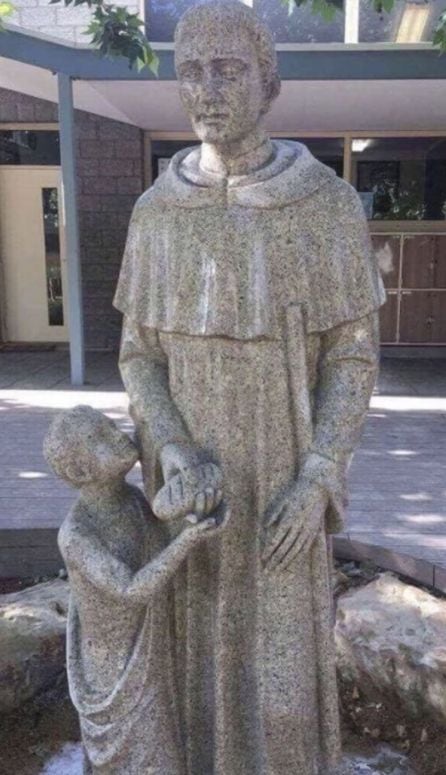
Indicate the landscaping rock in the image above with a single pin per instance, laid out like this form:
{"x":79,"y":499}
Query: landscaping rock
{"x":391,"y":643}
{"x":32,"y":641}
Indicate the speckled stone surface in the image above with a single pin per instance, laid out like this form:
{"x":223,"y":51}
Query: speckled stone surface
{"x":120,"y":650}
{"x":250,"y":338}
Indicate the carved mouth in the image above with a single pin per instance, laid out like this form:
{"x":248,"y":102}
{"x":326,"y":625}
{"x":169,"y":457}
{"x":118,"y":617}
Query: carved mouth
{"x":213,"y":117}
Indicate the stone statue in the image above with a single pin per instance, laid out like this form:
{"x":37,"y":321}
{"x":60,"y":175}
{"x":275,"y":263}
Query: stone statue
{"x":120,"y":562}
{"x":250,"y":344}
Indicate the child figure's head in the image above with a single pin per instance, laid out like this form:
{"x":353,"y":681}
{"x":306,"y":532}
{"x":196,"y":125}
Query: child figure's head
{"x":84,"y":447}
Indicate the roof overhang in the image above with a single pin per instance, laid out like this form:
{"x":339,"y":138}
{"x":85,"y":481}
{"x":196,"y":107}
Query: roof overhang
{"x":352,"y":62}
{"x":324,"y":89}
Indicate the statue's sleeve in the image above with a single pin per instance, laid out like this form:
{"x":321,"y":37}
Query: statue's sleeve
{"x":145,"y":372}
{"x":348,"y":368}
{"x":86,"y":555}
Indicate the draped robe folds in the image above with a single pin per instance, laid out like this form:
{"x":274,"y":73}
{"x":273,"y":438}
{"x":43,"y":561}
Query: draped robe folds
{"x":127,"y":705}
{"x":210,"y":275}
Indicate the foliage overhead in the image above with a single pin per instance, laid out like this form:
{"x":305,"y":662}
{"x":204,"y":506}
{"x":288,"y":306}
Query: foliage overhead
{"x":118,"y":33}
{"x":6,"y":9}
{"x":115,"y":32}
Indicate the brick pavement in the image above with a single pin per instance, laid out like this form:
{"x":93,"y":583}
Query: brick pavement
{"x":397,"y":479}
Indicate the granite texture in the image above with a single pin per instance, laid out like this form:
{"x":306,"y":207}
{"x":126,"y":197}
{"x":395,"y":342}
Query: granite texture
{"x":120,"y":650}
{"x":32,"y":642}
{"x":390,"y":639}
{"x":250,"y":339}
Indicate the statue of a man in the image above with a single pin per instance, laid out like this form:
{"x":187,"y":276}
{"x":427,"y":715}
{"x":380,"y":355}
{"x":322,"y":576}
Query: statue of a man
{"x":250,"y":340}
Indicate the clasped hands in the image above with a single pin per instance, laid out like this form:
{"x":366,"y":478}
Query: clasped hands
{"x":194,"y":490}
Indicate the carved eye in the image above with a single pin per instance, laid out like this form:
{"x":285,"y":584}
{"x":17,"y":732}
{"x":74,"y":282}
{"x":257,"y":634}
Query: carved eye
{"x":190,"y":71}
{"x":230,"y":68}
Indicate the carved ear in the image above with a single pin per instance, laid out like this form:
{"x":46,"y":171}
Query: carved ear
{"x":272,"y":90}
{"x":76,"y":473}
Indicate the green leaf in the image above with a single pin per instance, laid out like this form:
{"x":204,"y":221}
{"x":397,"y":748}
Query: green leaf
{"x":388,"y":5}
{"x":324,"y":8}
{"x":6,"y":9}
{"x":154,"y":64}
{"x":439,"y":38}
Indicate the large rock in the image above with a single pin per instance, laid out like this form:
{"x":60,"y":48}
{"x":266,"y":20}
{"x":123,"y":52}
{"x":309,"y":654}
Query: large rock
{"x":391,"y":641}
{"x":32,"y":641}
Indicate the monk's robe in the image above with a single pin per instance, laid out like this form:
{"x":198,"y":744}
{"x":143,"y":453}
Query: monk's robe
{"x":242,"y":299}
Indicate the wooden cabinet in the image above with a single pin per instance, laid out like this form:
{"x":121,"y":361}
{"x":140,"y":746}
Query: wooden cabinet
{"x":415,"y":278}
{"x":418,"y":261}
{"x":388,"y":249}
{"x":415,"y":317}
{"x":389,"y":318}
{"x":440,"y":262}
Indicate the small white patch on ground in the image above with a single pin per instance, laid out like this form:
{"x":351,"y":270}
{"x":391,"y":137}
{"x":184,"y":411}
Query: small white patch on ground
{"x":384,"y":762}
{"x":68,"y":761}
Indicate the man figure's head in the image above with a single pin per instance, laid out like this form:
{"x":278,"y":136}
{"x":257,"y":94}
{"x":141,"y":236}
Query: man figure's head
{"x":227,"y":69}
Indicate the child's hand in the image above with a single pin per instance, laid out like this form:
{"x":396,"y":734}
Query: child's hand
{"x":208,"y":527}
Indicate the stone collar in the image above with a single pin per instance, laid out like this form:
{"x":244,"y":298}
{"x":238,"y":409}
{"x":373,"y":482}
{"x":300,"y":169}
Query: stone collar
{"x":292,"y":174}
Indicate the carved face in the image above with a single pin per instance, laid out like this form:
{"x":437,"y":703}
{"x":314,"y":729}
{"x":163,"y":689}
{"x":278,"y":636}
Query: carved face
{"x":220,"y":84}
{"x":112,"y":451}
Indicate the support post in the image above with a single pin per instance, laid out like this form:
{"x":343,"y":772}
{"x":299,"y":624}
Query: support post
{"x":69,"y":209}
{"x":351,"y":31}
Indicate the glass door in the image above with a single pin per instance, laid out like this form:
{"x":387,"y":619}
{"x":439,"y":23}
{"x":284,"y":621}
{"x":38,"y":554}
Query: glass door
{"x":33,"y":260}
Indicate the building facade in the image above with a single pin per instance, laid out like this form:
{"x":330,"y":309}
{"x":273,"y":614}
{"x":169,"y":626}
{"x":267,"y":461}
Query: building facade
{"x":386,"y":135}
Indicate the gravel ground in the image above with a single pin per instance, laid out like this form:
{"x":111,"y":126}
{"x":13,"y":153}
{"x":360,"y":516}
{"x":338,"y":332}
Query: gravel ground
{"x":383,"y":761}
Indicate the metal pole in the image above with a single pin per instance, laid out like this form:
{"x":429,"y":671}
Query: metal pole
{"x":69,"y":201}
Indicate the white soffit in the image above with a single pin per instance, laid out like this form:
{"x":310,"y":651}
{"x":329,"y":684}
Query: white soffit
{"x":303,"y":106}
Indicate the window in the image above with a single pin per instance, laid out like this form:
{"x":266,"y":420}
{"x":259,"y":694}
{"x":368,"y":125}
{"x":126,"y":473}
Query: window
{"x":402,"y":178}
{"x":162,"y":17}
{"x":301,"y":26}
{"x":408,"y":22}
{"x":50,"y":210}
{"x":162,"y":152}
{"x":329,"y":151}
{"x":29,"y":146}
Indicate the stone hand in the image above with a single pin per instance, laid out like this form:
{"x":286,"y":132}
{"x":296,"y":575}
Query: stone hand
{"x":293,"y":522}
{"x":208,"y":527}
{"x":193,"y":484}
{"x":178,"y":456}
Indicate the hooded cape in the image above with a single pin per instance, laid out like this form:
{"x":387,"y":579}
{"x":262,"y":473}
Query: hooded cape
{"x":206,"y":259}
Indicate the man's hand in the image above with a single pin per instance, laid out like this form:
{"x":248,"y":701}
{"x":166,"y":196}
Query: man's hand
{"x":193,"y":484}
{"x":293,"y":522}
{"x":177,"y":457}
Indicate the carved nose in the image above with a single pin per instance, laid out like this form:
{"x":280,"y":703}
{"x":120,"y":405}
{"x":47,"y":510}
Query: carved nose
{"x":210,"y":89}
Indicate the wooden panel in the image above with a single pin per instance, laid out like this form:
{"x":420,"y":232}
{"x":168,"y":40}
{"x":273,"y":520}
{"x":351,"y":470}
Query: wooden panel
{"x":418,"y":261}
{"x":388,"y":318}
{"x":440,"y":261}
{"x":387,"y":249}
{"x":439,"y":317}
{"x":416,"y":317}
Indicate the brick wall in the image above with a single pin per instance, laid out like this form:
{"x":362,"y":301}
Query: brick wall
{"x":110,"y":178}
{"x":56,"y":20}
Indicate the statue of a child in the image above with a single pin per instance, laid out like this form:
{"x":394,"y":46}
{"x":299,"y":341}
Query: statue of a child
{"x":120,"y":563}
